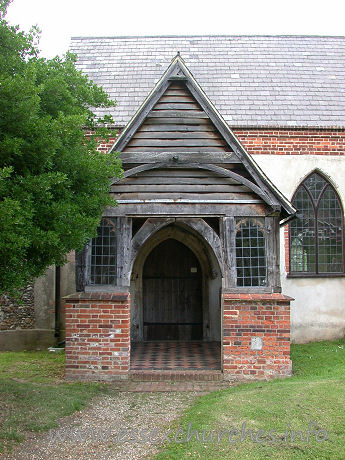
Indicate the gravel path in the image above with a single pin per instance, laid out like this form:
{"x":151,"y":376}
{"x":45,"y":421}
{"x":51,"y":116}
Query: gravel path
{"x":113,"y":416}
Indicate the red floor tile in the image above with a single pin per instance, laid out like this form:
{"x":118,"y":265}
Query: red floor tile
{"x":175,"y":355}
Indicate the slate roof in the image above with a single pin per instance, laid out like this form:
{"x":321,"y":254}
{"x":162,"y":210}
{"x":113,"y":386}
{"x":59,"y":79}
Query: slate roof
{"x":260,"y":81}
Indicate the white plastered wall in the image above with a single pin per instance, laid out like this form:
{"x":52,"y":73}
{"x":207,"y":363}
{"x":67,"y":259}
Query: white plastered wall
{"x":318,"y":311}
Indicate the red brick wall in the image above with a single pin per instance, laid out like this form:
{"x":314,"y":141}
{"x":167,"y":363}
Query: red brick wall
{"x":256,"y":315}
{"x":97,"y":336}
{"x":282,"y":141}
{"x":292,"y":141}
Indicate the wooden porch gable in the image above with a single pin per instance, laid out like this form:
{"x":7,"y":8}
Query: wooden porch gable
{"x":176,"y":132}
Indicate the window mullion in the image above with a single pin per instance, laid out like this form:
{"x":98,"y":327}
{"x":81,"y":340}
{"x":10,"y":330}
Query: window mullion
{"x":316,"y":241}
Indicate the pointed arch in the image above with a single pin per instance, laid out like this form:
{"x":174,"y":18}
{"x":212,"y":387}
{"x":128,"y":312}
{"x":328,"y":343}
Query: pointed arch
{"x":316,"y":236}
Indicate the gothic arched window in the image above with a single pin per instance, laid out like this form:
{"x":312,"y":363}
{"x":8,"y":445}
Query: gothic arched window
{"x":317,"y":234}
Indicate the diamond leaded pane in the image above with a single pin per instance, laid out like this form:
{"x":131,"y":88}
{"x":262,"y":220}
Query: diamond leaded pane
{"x":251,"y":252}
{"x":102,"y":261}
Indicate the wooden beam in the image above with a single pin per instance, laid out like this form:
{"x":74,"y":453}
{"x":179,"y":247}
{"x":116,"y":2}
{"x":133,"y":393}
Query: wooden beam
{"x":180,"y":114}
{"x":184,"y":158}
{"x":175,"y":127}
{"x":176,"y":135}
{"x":186,"y":209}
{"x":179,"y":142}
{"x":170,"y":197}
{"x":182,"y":120}
{"x":210,"y":167}
{"x":175,"y":179}
{"x":174,"y":188}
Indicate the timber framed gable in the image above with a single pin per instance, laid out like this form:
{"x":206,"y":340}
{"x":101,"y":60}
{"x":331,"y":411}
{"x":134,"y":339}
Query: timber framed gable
{"x":178,"y":128}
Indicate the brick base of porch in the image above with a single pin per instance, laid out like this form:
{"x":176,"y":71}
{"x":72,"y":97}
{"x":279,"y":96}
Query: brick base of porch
{"x":256,"y":336}
{"x":97,"y":336}
{"x":256,"y":339}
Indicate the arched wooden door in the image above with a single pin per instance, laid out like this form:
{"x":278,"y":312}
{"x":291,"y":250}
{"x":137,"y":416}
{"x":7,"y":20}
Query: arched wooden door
{"x":172,"y":293}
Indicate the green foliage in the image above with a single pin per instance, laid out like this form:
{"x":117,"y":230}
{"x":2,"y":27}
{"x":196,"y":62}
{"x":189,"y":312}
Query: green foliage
{"x":54,"y":184}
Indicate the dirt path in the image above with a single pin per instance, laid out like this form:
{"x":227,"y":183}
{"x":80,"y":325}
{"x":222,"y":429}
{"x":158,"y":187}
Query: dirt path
{"x":112,"y":416}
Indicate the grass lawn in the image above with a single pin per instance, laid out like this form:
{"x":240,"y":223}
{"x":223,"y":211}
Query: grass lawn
{"x":33,"y":395}
{"x":316,"y":393}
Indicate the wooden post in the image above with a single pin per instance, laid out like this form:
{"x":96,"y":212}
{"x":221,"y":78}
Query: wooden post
{"x":227,"y":225}
{"x":123,"y":252}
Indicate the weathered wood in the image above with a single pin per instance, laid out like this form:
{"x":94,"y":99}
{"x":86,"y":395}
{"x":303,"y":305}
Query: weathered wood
{"x":175,"y":149}
{"x":123,"y":250}
{"x":135,"y":123}
{"x":178,"y":88}
{"x":180,"y":172}
{"x":181,"y":188}
{"x":210,"y":236}
{"x":272,"y":253}
{"x":175,"y":127}
{"x":209,"y":268}
{"x":265,"y":185}
{"x":176,"y":106}
{"x":184,"y":158}
{"x":153,"y":225}
{"x":177,"y":143}
{"x":172,"y":98}
{"x":150,"y":227}
{"x":162,"y":120}
{"x":198,"y":114}
{"x":209,"y":167}
{"x":175,"y":180}
{"x":228,"y":237}
{"x":176,"y":85}
{"x":209,"y":115}
{"x":216,"y":196}
{"x":176,"y":135}
{"x":80,"y":269}
{"x":172,"y":293}
{"x":186,"y":209}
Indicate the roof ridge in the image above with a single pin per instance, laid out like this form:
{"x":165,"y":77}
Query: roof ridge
{"x":206,"y":36}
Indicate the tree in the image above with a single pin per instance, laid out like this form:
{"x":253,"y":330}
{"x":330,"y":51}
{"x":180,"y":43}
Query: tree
{"x":54,"y":184}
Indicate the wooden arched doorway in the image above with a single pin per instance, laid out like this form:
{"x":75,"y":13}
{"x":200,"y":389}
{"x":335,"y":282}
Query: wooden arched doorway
{"x":172,"y":293}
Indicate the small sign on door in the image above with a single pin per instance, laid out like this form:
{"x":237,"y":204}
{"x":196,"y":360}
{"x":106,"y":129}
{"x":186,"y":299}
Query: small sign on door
{"x":193,"y":269}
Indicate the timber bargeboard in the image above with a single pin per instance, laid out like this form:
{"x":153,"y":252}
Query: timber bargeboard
{"x":177,"y":150}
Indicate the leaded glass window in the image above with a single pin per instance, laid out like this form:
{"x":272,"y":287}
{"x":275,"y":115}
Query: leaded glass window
{"x":317,"y":234}
{"x":251,"y":252}
{"x":102,"y":254}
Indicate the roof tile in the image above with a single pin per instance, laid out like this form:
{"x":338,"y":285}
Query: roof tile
{"x":252,"y":80}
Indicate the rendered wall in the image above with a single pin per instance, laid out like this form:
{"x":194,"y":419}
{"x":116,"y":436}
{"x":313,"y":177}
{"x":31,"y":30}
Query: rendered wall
{"x":318,"y":311}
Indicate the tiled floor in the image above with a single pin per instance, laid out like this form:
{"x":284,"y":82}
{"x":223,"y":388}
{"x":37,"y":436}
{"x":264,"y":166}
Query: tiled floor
{"x":175,"y":356}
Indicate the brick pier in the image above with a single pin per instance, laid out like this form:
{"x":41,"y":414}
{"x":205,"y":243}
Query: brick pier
{"x":97,"y":336}
{"x":256,"y":336}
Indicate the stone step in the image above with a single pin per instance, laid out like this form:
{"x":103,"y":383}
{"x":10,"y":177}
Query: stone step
{"x":176,"y":375}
